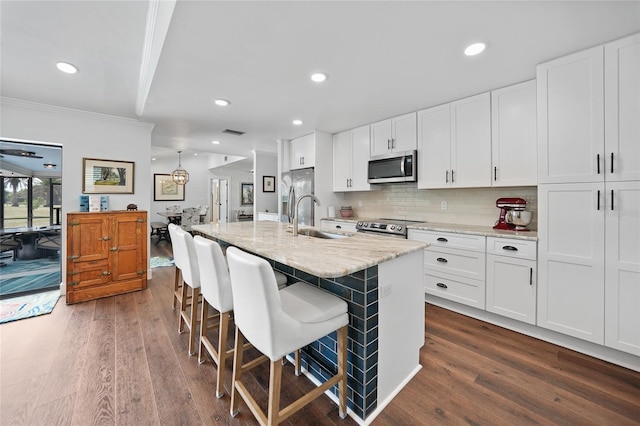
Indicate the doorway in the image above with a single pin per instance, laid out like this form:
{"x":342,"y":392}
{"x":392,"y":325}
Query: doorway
{"x":30,"y":216}
{"x":219,"y":200}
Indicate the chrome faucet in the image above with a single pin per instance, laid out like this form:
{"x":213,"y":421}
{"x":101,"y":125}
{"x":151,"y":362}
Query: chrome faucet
{"x":295,"y":216}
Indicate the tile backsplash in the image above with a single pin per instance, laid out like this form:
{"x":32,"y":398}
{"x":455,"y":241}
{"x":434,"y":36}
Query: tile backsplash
{"x":472,"y":206}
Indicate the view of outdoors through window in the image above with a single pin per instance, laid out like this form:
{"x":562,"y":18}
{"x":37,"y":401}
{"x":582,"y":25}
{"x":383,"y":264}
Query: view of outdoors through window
{"x":46,"y":201}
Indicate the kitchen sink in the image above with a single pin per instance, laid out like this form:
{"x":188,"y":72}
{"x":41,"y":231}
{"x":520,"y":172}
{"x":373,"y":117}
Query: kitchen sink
{"x":321,"y":234}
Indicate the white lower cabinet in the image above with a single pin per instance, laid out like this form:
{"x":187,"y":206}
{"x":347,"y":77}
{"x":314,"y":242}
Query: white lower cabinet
{"x":454,"y":266}
{"x":622,"y":267}
{"x":511,"y":278}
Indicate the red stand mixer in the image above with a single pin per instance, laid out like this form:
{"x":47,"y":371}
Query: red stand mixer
{"x":506,"y":206}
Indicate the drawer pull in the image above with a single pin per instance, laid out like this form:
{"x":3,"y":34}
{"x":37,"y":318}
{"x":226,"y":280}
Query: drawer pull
{"x":510,"y":248}
{"x":73,"y":283}
{"x":443,"y":240}
{"x":442,"y":260}
{"x":105,"y":273}
{"x":338,"y":227}
{"x":441,"y":285}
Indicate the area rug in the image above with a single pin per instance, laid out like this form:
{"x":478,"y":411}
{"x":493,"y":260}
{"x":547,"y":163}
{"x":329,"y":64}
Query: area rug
{"x":161,"y":261}
{"x":28,"y":306}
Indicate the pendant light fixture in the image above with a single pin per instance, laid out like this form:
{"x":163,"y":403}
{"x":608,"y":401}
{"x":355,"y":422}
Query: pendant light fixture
{"x":180,"y":175}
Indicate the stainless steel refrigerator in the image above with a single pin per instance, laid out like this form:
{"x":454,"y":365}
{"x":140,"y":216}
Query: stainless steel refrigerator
{"x":295,"y":184}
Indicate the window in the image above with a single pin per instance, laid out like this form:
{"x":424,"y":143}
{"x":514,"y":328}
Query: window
{"x":30,"y":201}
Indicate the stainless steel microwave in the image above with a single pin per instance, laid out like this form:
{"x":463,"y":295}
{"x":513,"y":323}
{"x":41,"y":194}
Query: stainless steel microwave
{"x":394,"y":167}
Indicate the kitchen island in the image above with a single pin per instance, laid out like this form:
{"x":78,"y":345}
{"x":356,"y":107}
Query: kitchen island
{"x":380,"y":278}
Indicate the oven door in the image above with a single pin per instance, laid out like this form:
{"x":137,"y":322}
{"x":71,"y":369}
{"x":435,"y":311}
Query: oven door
{"x":381,"y":234}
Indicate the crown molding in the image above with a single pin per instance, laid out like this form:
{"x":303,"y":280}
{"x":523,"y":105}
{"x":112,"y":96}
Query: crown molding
{"x":35,"y":106}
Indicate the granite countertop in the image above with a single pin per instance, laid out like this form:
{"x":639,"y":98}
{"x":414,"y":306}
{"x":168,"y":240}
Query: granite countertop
{"x":325,"y":258}
{"x":458,"y":228}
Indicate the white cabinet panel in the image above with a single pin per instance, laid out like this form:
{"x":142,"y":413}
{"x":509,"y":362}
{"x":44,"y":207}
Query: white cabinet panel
{"x":571,"y":260}
{"x":511,"y":287}
{"x":622,"y":251}
{"x":350,"y":160}
{"x":622,"y":109}
{"x":394,"y":135}
{"x":471,"y":142}
{"x":302,"y":152}
{"x":455,"y":144}
{"x":434,"y":147}
{"x":571,"y":118}
{"x":514,"y":149}
{"x":338,"y":225}
{"x":341,"y":161}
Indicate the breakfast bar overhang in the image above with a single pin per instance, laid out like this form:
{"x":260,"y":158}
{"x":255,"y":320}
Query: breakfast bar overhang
{"x":381,"y":279}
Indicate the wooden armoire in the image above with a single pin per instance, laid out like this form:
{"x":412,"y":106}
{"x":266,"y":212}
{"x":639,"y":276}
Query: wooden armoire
{"x":106,"y":254}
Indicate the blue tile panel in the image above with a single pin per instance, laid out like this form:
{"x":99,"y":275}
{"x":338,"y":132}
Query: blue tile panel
{"x":360,"y":291}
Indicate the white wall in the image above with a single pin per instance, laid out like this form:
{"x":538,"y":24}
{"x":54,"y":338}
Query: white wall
{"x":264,"y":164}
{"x":83,"y":134}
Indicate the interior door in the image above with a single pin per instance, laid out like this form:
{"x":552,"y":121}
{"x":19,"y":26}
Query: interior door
{"x":223,"y":208}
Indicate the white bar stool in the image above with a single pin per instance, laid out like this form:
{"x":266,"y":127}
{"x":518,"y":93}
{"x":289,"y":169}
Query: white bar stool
{"x":183,"y":244}
{"x":215,"y":286}
{"x":178,"y":262}
{"x":278,"y":323}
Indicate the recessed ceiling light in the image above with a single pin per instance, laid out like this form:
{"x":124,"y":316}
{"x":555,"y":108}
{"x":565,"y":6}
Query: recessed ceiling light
{"x":49,"y":166}
{"x":297,"y":122}
{"x":195,"y":154}
{"x":221,"y":102}
{"x":215,"y":142}
{"x":153,"y":159}
{"x":318,"y":77}
{"x":475,"y":48}
{"x":67,"y":67}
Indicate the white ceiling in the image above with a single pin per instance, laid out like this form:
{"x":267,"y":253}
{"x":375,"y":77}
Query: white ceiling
{"x":382,"y":58}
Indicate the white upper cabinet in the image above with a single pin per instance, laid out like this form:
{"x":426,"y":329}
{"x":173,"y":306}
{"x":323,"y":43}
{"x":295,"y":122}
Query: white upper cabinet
{"x":471,"y":141}
{"x":394,"y":135}
{"x":454,"y":144}
{"x":434,"y":147}
{"x":622,"y":109}
{"x":350,"y":160}
{"x":571,"y":118}
{"x":514,"y":149}
{"x":302,"y":152}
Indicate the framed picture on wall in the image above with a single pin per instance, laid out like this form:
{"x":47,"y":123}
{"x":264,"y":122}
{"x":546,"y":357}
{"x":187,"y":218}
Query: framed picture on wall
{"x":164,"y":189}
{"x":246,"y":194}
{"x":268,"y":184}
{"x":107,"y":176}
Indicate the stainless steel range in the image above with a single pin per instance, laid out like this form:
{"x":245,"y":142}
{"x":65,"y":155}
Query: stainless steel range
{"x":386,"y":227}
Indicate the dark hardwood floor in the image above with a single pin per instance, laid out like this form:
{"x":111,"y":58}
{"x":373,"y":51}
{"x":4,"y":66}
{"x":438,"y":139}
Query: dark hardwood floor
{"x":120,"y":360}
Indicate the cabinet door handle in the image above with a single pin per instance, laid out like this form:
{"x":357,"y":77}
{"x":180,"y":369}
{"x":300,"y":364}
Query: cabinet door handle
{"x":598,"y":162}
{"x":105,"y":273}
{"x":338,"y":227}
{"x":612,"y":162}
{"x":393,"y":143}
{"x":495,"y":173}
{"x":441,"y":285}
{"x":442,"y":240}
{"x":442,"y":260}
{"x":510,"y":248}
{"x":598,"y":199}
{"x":530,"y":276}
{"x":612,"y":200}
{"x":452,"y":179}
{"x":446,"y":176}
{"x":114,"y":248}
{"x":388,"y":143}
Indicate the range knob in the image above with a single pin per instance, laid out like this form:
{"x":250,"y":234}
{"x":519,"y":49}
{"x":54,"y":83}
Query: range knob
{"x":399,"y":228}
{"x":392,"y":227}
{"x":365,"y":224}
{"x":359,"y":223}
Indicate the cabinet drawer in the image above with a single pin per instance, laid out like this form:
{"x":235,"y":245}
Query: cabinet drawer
{"x":449,"y":240}
{"x":87,"y":274}
{"x":522,"y":249}
{"x":463,"y":263}
{"x":461,"y":290}
{"x":334,"y":224}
